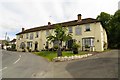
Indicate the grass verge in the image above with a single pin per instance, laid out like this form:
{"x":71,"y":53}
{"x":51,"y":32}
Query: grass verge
{"x":52,"y":54}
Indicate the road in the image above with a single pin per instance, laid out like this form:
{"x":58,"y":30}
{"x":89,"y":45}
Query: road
{"x":27,"y":65}
{"x":22,"y":65}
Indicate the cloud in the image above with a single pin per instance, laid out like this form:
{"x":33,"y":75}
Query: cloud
{"x":16,"y":14}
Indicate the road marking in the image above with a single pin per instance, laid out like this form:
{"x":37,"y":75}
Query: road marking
{"x":16,"y":61}
{"x":3,"y":68}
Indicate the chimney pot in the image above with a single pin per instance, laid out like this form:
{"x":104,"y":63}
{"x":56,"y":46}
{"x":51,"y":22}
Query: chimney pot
{"x":79,"y":17}
{"x":23,"y":29}
{"x":49,"y":23}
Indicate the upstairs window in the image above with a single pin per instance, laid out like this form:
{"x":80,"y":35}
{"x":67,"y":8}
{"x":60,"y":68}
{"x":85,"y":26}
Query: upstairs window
{"x":87,"y":28}
{"x":29,"y":44}
{"x":37,"y":34}
{"x":31,"y":36}
{"x":27,"y":36}
{"x":47,"y":32}
{"x":70,"y":30}
{"x":21,"y":36}
{"x":78,"y":30}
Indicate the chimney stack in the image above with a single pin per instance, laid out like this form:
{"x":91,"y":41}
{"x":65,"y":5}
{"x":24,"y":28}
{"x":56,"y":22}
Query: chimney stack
{"x":49,"y":23}
{"x":23,"y":29}
{"x":79,"y":17}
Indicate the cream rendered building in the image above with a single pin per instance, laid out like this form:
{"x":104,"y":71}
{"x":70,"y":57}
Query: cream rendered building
{"x":88,"y":33}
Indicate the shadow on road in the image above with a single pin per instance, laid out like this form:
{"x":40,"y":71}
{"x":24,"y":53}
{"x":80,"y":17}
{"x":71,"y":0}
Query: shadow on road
{"x":94,"y":68}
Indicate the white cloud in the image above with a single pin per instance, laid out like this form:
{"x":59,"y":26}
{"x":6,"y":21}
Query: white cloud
{"x":16,"y":14}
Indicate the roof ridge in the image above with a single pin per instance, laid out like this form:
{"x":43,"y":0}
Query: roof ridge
{"x":64,"y":24}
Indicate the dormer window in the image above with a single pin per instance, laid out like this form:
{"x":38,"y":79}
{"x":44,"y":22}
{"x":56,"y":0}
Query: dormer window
{"x":87,"y":27}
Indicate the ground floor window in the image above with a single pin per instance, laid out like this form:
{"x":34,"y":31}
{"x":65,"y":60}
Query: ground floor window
{"x":55,"y":43}
{"x":29,"y":44}
{"x":22,"y":45}
{"x":88,"y":44}
{"x":88,"y":41}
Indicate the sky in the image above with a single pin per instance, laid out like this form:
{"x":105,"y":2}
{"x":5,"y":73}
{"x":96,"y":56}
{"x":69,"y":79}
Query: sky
{"x":17,"y":14}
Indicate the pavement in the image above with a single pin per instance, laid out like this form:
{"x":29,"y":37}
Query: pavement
{"x":28,"y":65}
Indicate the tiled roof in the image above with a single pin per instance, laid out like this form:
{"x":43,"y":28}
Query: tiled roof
{"x":14,"y":40}
{"x":64,"y":24}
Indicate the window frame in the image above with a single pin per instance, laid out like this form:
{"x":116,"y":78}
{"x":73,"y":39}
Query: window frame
{"x":31,"y":36}
{"x":78,"y":30}
{"x":37,"y":34}
{"x":88,"y":41}
{"x":87,"y":27}
{"x":70,"y":29}
{"x":47,"y":32}
{"x":27,"y":35}
{"x":29,"y":44}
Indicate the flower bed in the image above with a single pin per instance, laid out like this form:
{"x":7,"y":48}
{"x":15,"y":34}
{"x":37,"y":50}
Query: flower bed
{"x":75,"y":57}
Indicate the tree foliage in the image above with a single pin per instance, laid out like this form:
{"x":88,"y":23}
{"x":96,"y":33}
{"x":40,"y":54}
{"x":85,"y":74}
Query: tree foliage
{"x":111,"y":23}
{"x":60,"y":36}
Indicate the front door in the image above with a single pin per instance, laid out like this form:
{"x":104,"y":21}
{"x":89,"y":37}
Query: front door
{"x":36,"y":46}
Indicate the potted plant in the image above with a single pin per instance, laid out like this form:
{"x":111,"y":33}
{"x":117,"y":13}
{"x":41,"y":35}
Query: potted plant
{"x":28,"y":48}
{"x":75,"y":47}
{"x":87,"y":46}
{"x":55,"y":47}
{"x":23,"y":49}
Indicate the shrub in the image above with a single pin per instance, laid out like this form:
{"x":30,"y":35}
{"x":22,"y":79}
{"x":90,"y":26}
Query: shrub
{"x":13,"y":46}
{"x":87,"y":46}
{"x":55,"y":47}
{"x":75,"y":47}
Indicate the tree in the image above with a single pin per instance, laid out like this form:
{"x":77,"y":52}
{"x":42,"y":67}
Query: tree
{"x":60,"y":36}
{"x":111,"y":23}
{"x":115,"y":30}
{"x":105,"y":20}
{"x":6,"y":42}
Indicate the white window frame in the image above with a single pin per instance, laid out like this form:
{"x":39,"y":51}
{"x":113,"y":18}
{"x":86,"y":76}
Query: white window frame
{"x":88,"y":41}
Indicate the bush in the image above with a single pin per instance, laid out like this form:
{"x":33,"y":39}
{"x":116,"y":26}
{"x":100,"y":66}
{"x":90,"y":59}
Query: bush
{"x":13,"y":46}
{"x":87,"y":46}
{"x":75,"y":48}
{"x":55,"y":47}
{"x":46,"y":47}
{"x":11,"y":49}
{"x":51,"y":49}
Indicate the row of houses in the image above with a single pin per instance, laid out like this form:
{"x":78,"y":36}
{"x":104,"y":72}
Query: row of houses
{"x":4,"y":44}
{"x":86,"y":32}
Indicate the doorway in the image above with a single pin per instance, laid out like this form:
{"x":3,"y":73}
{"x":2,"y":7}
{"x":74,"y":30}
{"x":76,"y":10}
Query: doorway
{"x":36,"y":46}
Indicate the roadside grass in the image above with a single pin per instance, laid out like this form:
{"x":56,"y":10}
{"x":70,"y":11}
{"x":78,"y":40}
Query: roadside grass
{"x":52,"y":54}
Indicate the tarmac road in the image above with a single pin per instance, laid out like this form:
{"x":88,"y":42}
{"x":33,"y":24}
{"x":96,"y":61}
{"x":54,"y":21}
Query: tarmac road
{"x":27,"y":65}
